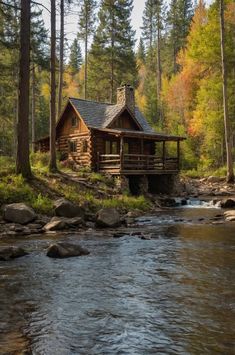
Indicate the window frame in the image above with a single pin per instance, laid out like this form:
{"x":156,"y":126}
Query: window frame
{"x":72,"y":143}
{"x":76,"y":121}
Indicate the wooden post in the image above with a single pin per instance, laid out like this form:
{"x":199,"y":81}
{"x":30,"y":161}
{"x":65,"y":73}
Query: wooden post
{"x":178,"y":155}
{"x":163,"y":154}
{"x":121,"y":152}
{"x":98,"y":161}
{"x":142,"y":162}
{"x":141,"y":146}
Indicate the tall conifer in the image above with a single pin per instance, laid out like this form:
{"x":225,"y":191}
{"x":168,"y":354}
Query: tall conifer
{"x":86,"y":29}
{"x":75,"y":57}
{"x":112,"y":55}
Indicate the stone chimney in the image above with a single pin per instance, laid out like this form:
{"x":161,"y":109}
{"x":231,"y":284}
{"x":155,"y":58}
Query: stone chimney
{"x":126,"y":96}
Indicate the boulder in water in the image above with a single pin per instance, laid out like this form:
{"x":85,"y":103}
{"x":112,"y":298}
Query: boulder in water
{"x":66,"y":250}
{"x":108,"y":217}
{"x":7,"y":253}
{"x":65,"y":208}
{"x":228,"y":203}
{"x":55,"y":225}
{"x":19,"y":213}
{"x":229,"y":215}
{"x":167,"y":202}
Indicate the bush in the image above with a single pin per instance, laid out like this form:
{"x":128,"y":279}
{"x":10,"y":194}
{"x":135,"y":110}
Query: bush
{"x":7,"y":165}
{"x":15,"y":189}
{"x":42,"y":204}
{"x":40,"y":162}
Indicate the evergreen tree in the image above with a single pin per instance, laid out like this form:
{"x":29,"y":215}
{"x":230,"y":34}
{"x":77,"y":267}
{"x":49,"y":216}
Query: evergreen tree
{"x":179,"y":19}
{"x":141,"y":51}
{"x":112,"y":58}
{"x":152,"y":33}
{"x":86,"y":29}
{"x":149,"y":23}
{"x":22,"y":156}
{"x":75,"y":58}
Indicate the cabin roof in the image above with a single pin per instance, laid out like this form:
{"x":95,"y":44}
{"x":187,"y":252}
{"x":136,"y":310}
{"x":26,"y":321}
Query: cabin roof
{"x":149,"y":135}
{"x":100,"y":115}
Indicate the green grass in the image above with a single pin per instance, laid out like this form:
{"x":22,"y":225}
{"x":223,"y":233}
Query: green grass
{"x":203,"y":173}
{"x":40,"y":192}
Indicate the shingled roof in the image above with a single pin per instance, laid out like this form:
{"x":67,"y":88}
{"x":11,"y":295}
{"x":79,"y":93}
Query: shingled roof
{"x":100,"y":115}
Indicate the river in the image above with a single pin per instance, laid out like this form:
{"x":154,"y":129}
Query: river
{"x":173,"y":294}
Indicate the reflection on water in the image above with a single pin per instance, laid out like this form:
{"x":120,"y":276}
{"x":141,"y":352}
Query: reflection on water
{"x":173,"y":294}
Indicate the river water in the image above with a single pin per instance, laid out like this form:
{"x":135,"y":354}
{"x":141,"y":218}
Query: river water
{"x":173,"y":294}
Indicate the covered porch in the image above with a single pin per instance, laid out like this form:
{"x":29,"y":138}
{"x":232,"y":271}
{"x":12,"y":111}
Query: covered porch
{"x":136,"y":153}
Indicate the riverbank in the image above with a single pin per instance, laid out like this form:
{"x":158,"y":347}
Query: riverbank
{"x":89,"y":193}
{"x":177,"y":284}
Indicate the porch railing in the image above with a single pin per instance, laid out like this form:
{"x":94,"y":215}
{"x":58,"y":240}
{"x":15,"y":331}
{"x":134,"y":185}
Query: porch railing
{"x":135,"y":162}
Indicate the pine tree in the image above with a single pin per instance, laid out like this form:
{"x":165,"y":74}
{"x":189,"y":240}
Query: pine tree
{"x":22,"y":158}
{"x":149,"y":24}
{"x":52,"y":162}
{"x":75,"y":58}
{"x":179,"y":18}
{"x":112,"y":58}
{"x":39,"y":60}
{"x":141,"y":51}
{"x":227,"y":125}
{"x":152,"y":33}
{"x":86,"y":29}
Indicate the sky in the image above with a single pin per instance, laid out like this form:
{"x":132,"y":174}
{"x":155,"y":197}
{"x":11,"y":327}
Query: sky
{"x":71,"y":21}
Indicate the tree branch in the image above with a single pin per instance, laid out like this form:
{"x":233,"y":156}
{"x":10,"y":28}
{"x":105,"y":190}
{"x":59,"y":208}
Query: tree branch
{"x":9,"y":5}
{"x":37,"y":3}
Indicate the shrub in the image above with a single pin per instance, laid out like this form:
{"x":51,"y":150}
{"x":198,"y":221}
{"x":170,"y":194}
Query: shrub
{"x":42,"y":204}
{"x":7,"y":165}
{"x":15,"y":189}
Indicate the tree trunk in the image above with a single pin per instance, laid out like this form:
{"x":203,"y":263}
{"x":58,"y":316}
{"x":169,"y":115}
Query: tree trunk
{"x":112,"y":63}
{"x":33,"y":108}
{"x":227,"y":128}
{"x":22,"y":155}
{"x":159,"y":73}
{"x":61,"y":69}
{"x":52,"y":163}
{"x":85,"y":78}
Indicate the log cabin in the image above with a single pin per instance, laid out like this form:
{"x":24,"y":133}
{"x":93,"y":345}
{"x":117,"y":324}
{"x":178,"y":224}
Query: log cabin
{"x":114,"y":139}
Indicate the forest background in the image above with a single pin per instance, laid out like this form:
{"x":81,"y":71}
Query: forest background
{"x":175,"y":68}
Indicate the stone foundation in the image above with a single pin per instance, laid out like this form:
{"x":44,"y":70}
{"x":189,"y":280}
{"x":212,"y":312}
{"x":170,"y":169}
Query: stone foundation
{"x":162,"y":184}
{"x":122,"y":184}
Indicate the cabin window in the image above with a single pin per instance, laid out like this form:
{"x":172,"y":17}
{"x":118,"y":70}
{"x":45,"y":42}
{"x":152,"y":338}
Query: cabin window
{"x":114,"y":147}
{"x":126,"y":148}
{"x":107,"y":147}
{"x":111,"y":147}
{"x":84,"y":146}
{"x":74,"y":121}
{"x":72,"y":146}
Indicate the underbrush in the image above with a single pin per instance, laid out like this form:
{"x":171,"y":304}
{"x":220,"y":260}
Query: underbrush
{"x":203,"y":173}
{"x":45,"y":187}
{"x":15,"y":189}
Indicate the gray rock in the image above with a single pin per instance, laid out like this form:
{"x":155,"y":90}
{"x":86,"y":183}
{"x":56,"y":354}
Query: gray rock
{"x":90,"y":225}
{"x":229,"y":215}
{"x":228,"y":203}
{"x":214,"y":179}
{"x":19,"y":213}
{"x":108,"y":217}
{"x":69,"y":222}
{"x":7,"y":253}
{"x":65,"y":208}
{"x":167,"y":202}
{"x":66,"y":250}
{"x":54,"y":225}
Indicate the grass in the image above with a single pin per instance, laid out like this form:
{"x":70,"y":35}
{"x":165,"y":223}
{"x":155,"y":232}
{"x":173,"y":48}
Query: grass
{"x":203,"y":173}
{"x":46,"y":187}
